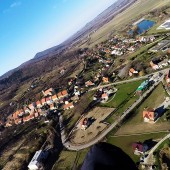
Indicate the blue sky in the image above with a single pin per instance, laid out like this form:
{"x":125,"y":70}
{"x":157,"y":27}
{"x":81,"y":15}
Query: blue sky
{"x":31,"y":26}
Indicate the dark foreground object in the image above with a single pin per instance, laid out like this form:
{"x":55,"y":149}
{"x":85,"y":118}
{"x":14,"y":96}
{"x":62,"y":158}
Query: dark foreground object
{"x":104,"y":156}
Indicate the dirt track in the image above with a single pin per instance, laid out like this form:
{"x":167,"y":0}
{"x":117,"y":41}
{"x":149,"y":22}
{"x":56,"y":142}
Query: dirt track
{"x":83,"y":136}
{"x":142,"y":128}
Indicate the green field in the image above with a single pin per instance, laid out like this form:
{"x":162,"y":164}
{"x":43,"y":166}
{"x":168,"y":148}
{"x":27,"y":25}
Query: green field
{"x":137,"y":10}
{"x":164,"y":145}
{"x":125,"y":91}
{"x":153,"y":101}
{"x":69,"y":159}
{"x":154,"y":30}
{"x":143,"y":51}
{"x":71,"y":116}
{"x":125,"y":142}
{"x":125,"y":96}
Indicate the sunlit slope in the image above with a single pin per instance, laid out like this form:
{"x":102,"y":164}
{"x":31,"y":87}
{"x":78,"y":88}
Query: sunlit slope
{"x":121,"y":20}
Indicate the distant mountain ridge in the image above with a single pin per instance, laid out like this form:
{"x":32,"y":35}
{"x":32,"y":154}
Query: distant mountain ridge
{"x":93,"y":25}
{"x":96,"y":23}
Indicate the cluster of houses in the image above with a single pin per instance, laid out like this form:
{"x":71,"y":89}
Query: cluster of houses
{"x":157,"y":64}
{"x":50,"y":100}
{"x":163,"y":46}
{"x":91,"y":83}
{"x":168,"y":78}
{"x":118,"y":46}
{"x":103,"y":94}
{"x":160,"y":62}
{"x":115,"y":47}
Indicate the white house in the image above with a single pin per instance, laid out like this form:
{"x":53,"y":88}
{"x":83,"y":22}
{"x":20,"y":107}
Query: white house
{"x":105,"y":97}
{"x":36,"y":162}
{"x":49,"y":101}
{"x":117,"y":52}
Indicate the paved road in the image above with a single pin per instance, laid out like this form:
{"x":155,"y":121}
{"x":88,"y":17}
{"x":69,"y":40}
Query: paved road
{"x":145,"y":127}
{"x":149,"y":160}
{"x":164,"y":71}
{"x":139,"y":134}
{"x":157,"y":145}
{"x":166,"y":88}
{"x":71,"y":146}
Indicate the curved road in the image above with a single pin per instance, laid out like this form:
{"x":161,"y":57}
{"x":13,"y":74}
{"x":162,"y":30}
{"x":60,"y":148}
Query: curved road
{"x":71,"y":146}
{"x":149,"y":160}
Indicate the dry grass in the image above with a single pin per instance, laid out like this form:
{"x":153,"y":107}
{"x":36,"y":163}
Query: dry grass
{"x":125,"y":142}
{"x":78,"y":69}
{"x":153,"y":101}
{"x":138,"y":9}
{"x":84,"y":136}
{"x":143,"y":128}
{"x":136,"y":124}
{"x":69,"y":159}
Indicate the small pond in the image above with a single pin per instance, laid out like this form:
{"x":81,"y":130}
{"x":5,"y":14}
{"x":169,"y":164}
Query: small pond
{"x":143,"y":26}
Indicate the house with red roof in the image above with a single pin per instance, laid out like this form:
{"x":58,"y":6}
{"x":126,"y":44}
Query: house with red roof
{"x":15,"y":115}
{"x":149,"y":115}
{"x":89,"y":83}
{"x":10,"y":121}
{"x":62,"y":94}
{"x":31,"y":116}
{"x":8,"y":124}
{"x":21,"y":113}
{"x":43,"y":101}
{"x":26,"y":109}
{"x":48,"y":92}
{"x":38,"y":104}
{"x":105,"y":80}
{"x":26,"y":118}
{"x":59,"y":95}
{"x":68,"y":106}
{"x":132,"y":71}
{"x":105,"y":97}
{"x":168,"y":78}
{"x":55,"y":98}
{"x":18,"y":121}
{"x":52,"y":106}
{"x":139,"y":148}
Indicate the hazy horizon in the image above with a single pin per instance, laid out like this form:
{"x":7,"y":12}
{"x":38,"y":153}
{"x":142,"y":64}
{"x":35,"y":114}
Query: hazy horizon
{"x":30,"y":26}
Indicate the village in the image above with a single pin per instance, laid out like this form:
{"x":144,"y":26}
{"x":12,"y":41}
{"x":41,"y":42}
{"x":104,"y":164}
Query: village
{"x":119,"y":75}
{"x":104,"y":56}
